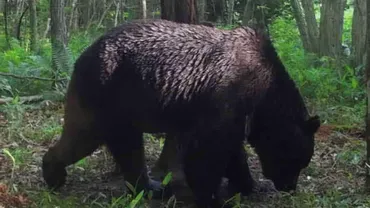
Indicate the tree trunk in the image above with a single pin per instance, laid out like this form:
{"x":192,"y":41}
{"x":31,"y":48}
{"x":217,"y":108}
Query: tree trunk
{"x":331,"y":28}
{"x":229,"y":11}
{"x":74,"y":15}
{"x":2,"y":5}
{"x":254,"y":15}
{"x":58,"y":34}
{"x":33,"y":25}
{"x":359,"y":33}
{"x":186,"y":11}
{"x":116,"y":15}
{"x":311,"y":24}
{"x":143,"y":4}
{"x":214,"y":10}
{"x":202,"y":5}
{"x":84,"y":11}
{"x":301,"y":23}
{"x":6,"y":31}
{"x":121,"y":10}
{"x":20,"y":10}
{"x":168,"y":9}
{"x":367,"y":137}
{"x":138,"y":9}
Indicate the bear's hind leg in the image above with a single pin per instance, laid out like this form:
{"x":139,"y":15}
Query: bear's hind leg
{"x":238,"y":173}
{"x":126,"y":145}
{"x":204,"y":165}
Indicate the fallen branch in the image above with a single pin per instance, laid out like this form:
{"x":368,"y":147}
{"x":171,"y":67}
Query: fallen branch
{"x":24,"y":99}
{"x":29,"y":77}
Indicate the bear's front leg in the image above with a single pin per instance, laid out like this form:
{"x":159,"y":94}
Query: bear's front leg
{"x":72,"y":147}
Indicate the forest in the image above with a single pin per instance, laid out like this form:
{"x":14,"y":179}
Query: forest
{"x":322,"y":43}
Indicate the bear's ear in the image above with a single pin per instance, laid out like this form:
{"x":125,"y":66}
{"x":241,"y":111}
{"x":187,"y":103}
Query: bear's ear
{"x":313,"y":124}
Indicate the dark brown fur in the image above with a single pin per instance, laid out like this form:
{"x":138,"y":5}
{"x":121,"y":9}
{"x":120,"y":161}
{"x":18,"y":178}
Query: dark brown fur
{"x":194,"y":82}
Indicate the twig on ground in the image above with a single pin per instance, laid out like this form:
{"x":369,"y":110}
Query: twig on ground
{"x":32,"y":98}
{"x":30,"y":77}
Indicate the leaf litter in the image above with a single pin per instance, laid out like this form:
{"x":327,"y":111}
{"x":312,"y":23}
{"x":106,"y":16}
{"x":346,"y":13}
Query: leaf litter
{"x":335,"y":174}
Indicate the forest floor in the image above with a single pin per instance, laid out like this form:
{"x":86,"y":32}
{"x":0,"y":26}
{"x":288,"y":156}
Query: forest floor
{"x":334,"y":178}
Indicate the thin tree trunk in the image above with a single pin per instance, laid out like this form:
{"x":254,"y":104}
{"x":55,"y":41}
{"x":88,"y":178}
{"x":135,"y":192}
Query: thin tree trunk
{"x":33,"y":25}
{"x":359,"y":33}
{"x":84,"y":10}
{"x":116,"y":15}
{"x":2,"y":5}
{"x":74,"y":13}
{"x":168,"y":9}
{"x":301,"y":23}
{"x":58,"y":38}
{"x":214,"y":10}
{"x":230,"y":11}
{"x":311,"y":24}
{"x":6,"y":31}
{"x":121,"y":10}
{"x":367,"y":164}
{"x":331,"y":28}
{"x":102,"y":17}
{"x":186,"y":11}
{"x":19,"y":11}
{"x":202,"y":4}
{"x":254,"y":15}
{"x":143,"y":4}
{"x":138,"y":9}
{"x":47,"y":28}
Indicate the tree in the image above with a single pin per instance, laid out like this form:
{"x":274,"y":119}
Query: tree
{"x":304,"y":14}
{"x":324,"y":39}
{"x":214,"y":10}
{"x":167,"y":9}
{"x":254,"y":14}
{"x":311,"y":24}
{"x":359,"y":33}
{"x":259,"y":13}
{"x":143,"y":4}
{"x":367,"y":136}
{"x":5,"y":15}
{"x":179,"y":11}
{"x":202,"y":6}
{"x":302,"y":25}
{"x":58,"y":32}
{"x":184,"y":11}
{"x":33,"y":25}
{"x":229,"y":4}
{"x":331,"y":28}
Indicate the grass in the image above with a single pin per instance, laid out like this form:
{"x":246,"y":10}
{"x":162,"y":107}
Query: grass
{"x":334,"y":178}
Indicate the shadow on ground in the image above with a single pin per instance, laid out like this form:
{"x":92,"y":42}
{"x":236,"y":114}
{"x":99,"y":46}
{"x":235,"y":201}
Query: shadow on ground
{"x":334,"y":178}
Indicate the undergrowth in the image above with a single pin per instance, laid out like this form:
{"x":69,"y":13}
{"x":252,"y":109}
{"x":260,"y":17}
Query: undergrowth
{"x":337,"y":95}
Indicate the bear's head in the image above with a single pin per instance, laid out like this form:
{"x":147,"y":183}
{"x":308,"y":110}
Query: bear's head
{"x":284,"y":149}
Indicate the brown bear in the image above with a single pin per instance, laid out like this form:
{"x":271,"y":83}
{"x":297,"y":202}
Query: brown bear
{"x":197,"y":83}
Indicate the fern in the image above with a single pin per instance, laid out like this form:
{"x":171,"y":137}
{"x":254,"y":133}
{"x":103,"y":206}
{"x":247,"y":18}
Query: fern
{"x":62,"y":62}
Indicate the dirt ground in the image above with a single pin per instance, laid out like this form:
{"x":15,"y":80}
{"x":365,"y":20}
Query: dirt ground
{"x":335,"y":175}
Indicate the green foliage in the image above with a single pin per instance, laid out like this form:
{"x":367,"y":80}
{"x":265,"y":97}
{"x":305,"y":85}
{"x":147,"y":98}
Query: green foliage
{"x":347,"y":26}
{"x":338,"y":96}
{"x":21,"y":62}
{"x":329,"y":198}
{"x":354,"y":153}
{"x":334,"y":94}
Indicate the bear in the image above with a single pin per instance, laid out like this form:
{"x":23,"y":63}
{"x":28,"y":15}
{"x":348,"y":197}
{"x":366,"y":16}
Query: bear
{"x":197,"y":83}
